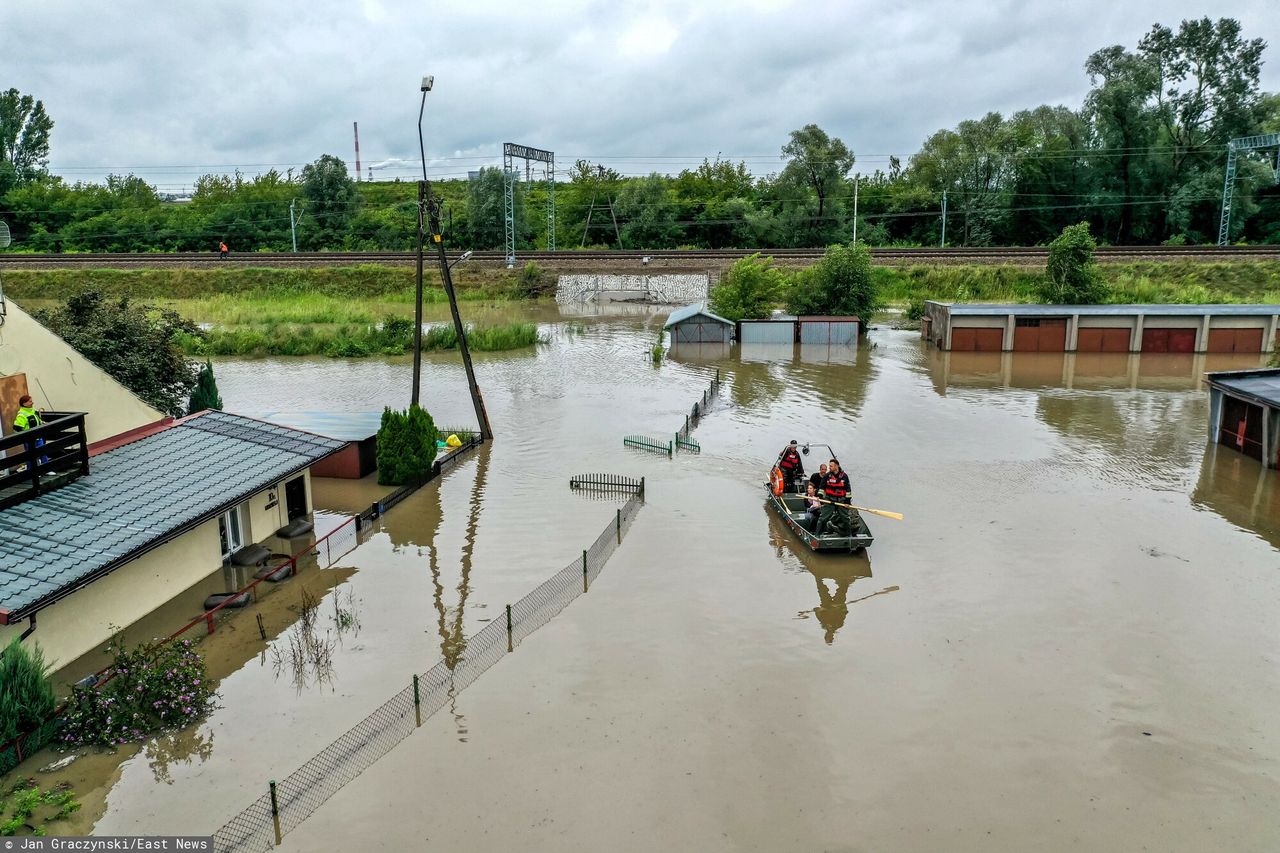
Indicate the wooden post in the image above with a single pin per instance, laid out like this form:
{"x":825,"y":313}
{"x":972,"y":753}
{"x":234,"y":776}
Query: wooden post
{"x":584,"y":570}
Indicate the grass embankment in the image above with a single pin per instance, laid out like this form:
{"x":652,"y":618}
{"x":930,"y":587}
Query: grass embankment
{"x":391,"y":336}
{"x":1179,"y":283}
{"x":344,"y":312}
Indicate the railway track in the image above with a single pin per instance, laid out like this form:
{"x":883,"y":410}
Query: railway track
{"x":657,"y":258}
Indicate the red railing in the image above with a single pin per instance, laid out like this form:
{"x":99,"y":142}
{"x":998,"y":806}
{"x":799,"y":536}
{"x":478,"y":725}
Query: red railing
{"x":349,"y":527}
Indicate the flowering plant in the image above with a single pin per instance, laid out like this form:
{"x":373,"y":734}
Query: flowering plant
{"x":151,"y":689}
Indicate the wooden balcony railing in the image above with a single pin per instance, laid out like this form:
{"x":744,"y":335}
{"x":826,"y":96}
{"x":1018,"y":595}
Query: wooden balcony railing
{"x":37,"y":460}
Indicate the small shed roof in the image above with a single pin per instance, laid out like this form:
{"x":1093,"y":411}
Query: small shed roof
{"x":139,"y":495}
{"x":345,"y":426}
{"x":1261,"y":386}
{"x":690,"y":311}
{"x":1030,"y":310}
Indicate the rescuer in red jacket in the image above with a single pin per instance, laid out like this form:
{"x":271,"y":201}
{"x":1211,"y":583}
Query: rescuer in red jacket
{"x":790,"y":465}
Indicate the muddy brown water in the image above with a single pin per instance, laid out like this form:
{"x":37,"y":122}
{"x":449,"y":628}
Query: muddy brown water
{"x":1069,"y":643}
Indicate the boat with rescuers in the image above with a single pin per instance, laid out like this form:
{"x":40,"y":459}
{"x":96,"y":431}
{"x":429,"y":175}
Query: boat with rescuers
{"x":824,"y":525}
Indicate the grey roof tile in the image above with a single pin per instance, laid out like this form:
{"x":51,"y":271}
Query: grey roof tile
{"x":141,"y":492}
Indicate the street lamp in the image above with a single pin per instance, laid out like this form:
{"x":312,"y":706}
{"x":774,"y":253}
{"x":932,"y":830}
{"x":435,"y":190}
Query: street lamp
{"x":428,"y":208}
{"x":460,"y":258}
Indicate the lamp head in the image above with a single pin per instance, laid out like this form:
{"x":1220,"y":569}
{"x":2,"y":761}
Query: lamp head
{"x":427,"y":82}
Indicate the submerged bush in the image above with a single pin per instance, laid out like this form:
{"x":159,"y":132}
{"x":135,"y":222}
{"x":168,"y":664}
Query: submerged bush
{"x":153,"y":689}
{"x":406,"y":446}
{"x":26,"y":697}
{"x":25,"y":808}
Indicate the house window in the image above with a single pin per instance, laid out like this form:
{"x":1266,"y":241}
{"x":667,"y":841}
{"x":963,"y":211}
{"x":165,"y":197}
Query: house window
{"x":231,"y":532}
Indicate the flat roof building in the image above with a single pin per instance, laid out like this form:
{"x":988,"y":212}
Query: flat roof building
{"x":1244,"y":412}
{"x":999,"y":327}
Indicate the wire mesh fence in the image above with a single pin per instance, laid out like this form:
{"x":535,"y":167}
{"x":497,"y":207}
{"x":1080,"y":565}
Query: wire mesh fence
{"x":683,"y":439}
{"x":287,"y":803}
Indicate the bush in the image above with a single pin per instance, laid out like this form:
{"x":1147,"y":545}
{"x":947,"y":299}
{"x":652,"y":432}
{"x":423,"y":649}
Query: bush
{"x":205,"y":395}
{"x":406,"y":446}
{"x":840,"y":284}
{"x":153,"y":689}
{"x":915,"y":310}
{"x":534,"y":282}
{"x":1072,"y":276}
{"x":26,"y":698}
{"x":749,"y":290}
{"x":25,"y":808}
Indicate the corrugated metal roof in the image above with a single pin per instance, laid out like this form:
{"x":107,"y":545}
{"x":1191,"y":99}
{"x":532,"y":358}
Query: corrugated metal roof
{"x":681,"y":314}
{"x":1261,"y":385}
{"x":140,"y":494}
{"x":971,"y":308}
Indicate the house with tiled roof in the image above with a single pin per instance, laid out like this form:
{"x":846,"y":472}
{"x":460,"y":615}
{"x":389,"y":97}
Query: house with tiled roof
{"x":113,"y":530}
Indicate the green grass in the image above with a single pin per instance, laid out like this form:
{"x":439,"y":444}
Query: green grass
{"x":391,"y":336}
{"x":1180,"y":283}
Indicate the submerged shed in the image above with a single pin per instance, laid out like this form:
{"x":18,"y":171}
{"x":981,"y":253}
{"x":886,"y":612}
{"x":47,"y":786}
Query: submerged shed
{"x":696,"y":324}
{"x":1244,"y":412}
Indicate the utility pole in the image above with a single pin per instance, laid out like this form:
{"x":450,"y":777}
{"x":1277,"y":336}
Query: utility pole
{"x":855,"y":208}
{"x":293,"y":224}
{"x":417,"y":287}
{"x":944,"y":219}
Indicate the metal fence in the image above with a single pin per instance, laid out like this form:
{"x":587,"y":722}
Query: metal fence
{"x":682,"y":440}
{"x":295,"y":798}
{"x":322,"y":553}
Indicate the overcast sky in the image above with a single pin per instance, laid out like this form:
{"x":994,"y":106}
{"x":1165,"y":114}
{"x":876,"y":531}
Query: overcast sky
{"x":170,"y":90}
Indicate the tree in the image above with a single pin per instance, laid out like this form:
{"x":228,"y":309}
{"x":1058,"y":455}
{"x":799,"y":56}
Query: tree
{"x":205,"y":395}
{"x":974,"y":164}
{"x":1072,"y":276}
{"x":331,"y":199}
{"x":749,"y":290}
{"x":841,"y":284}
{"x":818,"y":161}
{"x":24,"y":138}
{"x":406,"y":446}
{"x":136,"y":344}
{"x":648,"y":216}
{"x":486,"y":205}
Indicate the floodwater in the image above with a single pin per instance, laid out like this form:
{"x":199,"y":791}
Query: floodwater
{"x":1069,"y":643}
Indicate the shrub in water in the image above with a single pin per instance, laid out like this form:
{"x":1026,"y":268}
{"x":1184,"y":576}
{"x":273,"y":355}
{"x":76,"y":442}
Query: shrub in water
{"x":154,"y":688}
{"x":406,"y":446}
{"x":841,"y":284}
{"x":26,"y":699}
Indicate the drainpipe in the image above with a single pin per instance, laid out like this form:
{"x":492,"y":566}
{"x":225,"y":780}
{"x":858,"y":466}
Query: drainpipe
{"x":30,"y":629}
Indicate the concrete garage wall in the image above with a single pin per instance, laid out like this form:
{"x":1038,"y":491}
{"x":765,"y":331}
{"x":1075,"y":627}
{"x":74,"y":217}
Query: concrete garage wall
{"x":85,"y":619}
{"x":1089,"y":321}
{"x":968,"y":322}
{"x":1240,"y":323}
{"x":59,"y":378}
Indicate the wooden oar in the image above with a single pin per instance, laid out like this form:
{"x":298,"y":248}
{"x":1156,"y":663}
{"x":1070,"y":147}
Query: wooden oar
{"x":886,"y":513}
{"x":873,"y":595}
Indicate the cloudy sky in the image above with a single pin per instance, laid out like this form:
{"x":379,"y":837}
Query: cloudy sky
{"x":170,"y":90}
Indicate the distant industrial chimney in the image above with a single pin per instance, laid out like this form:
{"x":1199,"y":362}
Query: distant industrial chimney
{"x":355,"y":126}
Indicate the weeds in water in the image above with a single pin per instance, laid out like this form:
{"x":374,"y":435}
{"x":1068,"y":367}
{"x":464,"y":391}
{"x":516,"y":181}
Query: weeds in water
{"x":392,"y":336}
{"x":345,"y":616}
{"x":25,"y":809}
{"x":306,"y":655}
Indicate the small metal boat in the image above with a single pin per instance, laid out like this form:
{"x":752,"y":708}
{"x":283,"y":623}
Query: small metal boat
{"x":790,"y":508}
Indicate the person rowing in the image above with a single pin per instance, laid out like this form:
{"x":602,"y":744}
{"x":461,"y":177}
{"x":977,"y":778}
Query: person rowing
{"x":836,"y":516}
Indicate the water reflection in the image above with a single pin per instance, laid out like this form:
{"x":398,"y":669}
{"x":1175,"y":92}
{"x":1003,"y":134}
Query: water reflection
{"x":833,"y":574}
{"x":1239,"y":489}
{"x":189,"y":746}
{"x":1084,"y":371}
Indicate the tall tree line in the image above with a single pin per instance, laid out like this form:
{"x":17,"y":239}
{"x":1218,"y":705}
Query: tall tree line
{"x":1141,"y":160}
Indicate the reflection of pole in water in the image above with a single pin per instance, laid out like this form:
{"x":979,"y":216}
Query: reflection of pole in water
{"x":453,"y":641}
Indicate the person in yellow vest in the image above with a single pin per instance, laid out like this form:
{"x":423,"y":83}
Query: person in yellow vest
{"x":27,"y":419}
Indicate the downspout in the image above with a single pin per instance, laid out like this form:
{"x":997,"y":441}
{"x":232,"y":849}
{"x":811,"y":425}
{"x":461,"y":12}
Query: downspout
{"x":30,"y":629}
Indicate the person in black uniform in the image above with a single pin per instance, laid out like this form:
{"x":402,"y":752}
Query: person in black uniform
{"x":791,"y":467}
{"x":836,"y":519}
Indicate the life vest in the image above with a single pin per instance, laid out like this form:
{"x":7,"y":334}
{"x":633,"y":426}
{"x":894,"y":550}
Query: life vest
{"x":26,"y":419}
{"x":776,"y":481}
{"x":836,"y":486}
{"x":790,"y":458}
{"x":222,"y":247}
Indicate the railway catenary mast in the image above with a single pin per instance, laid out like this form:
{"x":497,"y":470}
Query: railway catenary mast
{"x":510,"y":153}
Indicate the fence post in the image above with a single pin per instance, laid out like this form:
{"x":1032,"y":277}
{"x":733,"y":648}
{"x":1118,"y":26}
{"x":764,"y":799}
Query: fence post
{"x":275,"y":805}
{"x":510,"y":647}
{"x":642,"y":488}
{"x":619,"y":526}
{"x":584,"y":570}
{"x":209,"y":619}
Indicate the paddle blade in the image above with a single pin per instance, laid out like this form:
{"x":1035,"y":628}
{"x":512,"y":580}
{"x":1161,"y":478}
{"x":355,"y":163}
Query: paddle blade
{"x":886,"y":513}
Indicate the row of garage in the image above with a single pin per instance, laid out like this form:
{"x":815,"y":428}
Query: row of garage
{"x":1102,"y":328}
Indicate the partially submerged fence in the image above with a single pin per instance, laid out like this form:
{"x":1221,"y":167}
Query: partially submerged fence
{"x":682,"y":440}
{"x":286,"y":804}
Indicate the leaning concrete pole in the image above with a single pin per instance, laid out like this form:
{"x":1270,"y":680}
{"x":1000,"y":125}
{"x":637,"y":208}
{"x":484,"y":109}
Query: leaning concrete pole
{"x":482,"y":417}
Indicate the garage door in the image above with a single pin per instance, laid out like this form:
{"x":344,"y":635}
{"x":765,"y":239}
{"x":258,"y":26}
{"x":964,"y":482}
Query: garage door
{"x":1168,"y":340}
{"x":1035,"y":335}
{"x":976,"y":340}
{"x":1241,"y":427}
{"x":1235,"y":340}
{"x":1113,"y":339}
